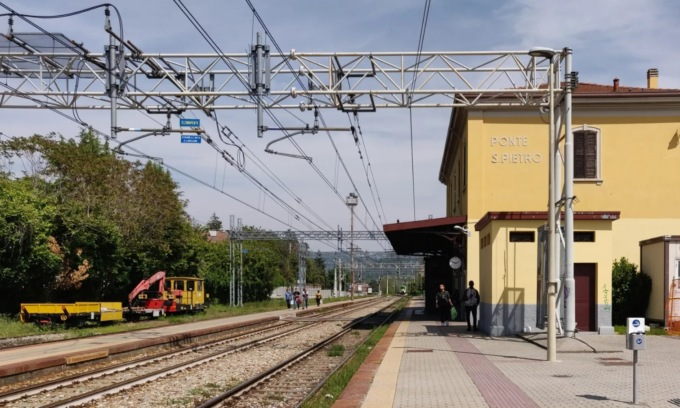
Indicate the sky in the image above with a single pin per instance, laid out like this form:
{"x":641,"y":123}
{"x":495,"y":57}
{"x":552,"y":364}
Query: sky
{"x":609,"y":38}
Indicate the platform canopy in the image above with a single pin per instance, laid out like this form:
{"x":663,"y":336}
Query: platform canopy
{"x":434,"y":236}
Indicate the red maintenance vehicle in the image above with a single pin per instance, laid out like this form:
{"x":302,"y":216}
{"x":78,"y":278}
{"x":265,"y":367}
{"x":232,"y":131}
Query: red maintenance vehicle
{"x":160,"y":295}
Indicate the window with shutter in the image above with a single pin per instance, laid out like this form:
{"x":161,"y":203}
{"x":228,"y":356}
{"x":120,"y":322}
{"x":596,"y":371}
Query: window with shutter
{"x":586,"y":163}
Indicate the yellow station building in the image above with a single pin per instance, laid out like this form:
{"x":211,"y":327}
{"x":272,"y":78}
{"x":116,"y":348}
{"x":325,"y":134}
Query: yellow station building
{"x":495,"y":168}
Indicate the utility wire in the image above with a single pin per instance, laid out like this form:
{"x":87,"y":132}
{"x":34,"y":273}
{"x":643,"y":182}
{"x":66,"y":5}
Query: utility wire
{"x":302,"y":85}
{"x":421,"y":41}
{"x":359,"y":139}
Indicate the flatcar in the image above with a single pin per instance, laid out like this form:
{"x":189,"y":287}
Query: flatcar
{"x":70,"y":314}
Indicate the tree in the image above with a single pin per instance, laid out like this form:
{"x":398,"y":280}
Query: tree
{"x":630,"y":291}
{"x":28,"y":259}
{"x":114,"y":222}
{"x":214,"y":223}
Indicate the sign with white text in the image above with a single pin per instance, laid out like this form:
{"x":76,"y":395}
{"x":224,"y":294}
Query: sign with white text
{"x":191,"y":139}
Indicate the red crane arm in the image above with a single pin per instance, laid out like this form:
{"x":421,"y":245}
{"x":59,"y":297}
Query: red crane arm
{"x":146,"y":284}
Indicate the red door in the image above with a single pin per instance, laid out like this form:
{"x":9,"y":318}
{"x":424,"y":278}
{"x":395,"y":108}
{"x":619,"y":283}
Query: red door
{"x":584,"y":277}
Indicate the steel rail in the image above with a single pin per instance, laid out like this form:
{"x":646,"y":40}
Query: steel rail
{"x":248,"y":384}
{"x":147,"y":377}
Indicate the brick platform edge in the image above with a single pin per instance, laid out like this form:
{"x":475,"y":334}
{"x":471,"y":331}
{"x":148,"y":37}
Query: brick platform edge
{"x":356,"y":390}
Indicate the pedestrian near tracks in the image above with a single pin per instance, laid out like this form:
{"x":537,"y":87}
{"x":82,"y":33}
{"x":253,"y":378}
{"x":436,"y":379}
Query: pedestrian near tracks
{"x":296,"y":299}
{"x":305,"y":297}
{"x":471,"y":301}
{"x":318,"y":298}
{"x":289,"y":298}
{"x":443,"y":303}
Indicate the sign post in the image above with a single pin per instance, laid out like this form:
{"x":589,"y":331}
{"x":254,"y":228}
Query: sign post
{"x":635,"y":340}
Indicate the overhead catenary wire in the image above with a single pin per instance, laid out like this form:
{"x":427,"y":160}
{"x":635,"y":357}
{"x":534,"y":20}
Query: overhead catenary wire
{"x":217,"y":49}
{"x":302,"y":85}
{"x":162,"y":163}
{"x":76,"y":118}
{"x":421,"y":41}
{"x":359,"y":140}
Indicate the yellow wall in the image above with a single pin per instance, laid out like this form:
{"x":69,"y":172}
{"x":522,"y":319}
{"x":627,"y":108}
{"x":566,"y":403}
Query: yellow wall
{"x":513,"y":265}
{"x":639,"y":157}
{"x":652,"y":264}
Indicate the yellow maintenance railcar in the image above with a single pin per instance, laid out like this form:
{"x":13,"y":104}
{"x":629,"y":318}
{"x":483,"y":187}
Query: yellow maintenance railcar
{"x":71,"y":314}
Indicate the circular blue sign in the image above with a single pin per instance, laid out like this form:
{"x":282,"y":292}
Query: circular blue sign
{"x":636,"y":323}
{"x":638,"y":341}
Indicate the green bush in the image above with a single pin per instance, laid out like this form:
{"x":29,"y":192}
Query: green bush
{"x":630,"y":291}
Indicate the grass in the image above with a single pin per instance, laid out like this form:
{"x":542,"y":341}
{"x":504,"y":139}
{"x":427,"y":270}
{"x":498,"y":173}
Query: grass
{"x":336,"y":350}
{"x":13,"y":327}
{"x":327,"y":395}
{"x":654,"y":330}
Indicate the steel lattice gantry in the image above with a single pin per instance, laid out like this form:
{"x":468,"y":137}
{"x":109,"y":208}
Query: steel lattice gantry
{"x":260,"y":235}
{"x":50,"y":71}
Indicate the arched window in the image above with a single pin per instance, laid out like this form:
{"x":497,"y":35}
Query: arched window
{"x":586,"y":153}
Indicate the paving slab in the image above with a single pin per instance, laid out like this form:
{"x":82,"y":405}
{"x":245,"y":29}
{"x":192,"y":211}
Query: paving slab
{"x":448,"y":366}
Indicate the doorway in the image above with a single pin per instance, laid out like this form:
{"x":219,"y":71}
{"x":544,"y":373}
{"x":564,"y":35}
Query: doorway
{"x":584,"y":282}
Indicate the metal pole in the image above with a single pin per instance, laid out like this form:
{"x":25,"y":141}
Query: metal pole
{"x":351,"y":252}
{"x":635,"y":361}
{"x":569,"y":284}
{"x":232,"y":277}
{"x":258,"y":84}
{"x":112,"y":81}
{"x":552,"y":285}
{"x":240,"y":268}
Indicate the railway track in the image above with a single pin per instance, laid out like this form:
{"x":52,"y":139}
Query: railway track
{"x":285,"y":385}
{"x":83,"y":388}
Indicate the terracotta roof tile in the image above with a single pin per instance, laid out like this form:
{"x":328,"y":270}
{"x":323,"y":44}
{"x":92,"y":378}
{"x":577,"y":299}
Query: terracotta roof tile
{"x":588,"y":88}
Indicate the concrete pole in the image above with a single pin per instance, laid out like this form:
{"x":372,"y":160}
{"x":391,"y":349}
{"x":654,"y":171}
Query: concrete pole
{"x":552,"y":241}
{"x":569,"y":284}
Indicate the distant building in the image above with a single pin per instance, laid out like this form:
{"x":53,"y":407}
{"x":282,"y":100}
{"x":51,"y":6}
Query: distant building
{"x":217,"y":236}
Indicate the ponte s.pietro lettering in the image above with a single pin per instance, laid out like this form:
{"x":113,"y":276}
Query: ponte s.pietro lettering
{"x":508,"y":155}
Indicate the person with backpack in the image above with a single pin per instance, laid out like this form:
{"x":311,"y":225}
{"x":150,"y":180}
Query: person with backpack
{"x":443,"y":303}
{"x":471,"y":301}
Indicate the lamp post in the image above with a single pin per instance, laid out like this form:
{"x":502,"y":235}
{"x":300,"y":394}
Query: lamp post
{"x":352,"y":201}
{"x":550,"y":54}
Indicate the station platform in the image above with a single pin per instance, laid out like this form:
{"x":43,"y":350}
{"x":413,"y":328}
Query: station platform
{"x":419,"y":363}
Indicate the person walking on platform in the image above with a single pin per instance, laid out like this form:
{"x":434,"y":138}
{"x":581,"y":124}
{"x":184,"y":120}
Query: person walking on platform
{"x":443,"y":303}
{"x":305,"y":297}
{"x":318,"y":298}
{"x":289,"y":298}
{"x":471,"y":301}
{"x":296,"y":299}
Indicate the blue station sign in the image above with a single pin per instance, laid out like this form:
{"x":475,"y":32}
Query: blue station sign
{"x":191,"y":139}
{"x":190,"y":122}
